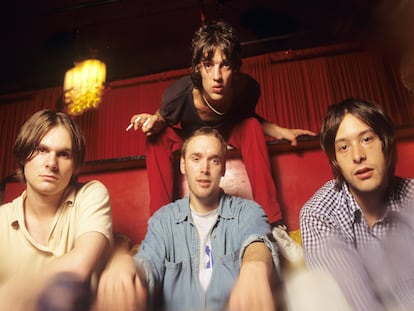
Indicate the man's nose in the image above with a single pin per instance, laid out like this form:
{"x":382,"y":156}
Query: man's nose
{"x":205,"y":166}
{"x":51,"y":161}
{"x":358,"y":154}
{"x":217,"y":72}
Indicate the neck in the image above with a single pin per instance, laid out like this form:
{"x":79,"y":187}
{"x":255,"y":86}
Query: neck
{"x":203,"y":206}
{"x":373,"y":205}
{"x":41,"y":205}
{"x":211,"y":106}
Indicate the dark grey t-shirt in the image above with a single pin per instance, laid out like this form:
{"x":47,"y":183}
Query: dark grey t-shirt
{"x":177,"y":105}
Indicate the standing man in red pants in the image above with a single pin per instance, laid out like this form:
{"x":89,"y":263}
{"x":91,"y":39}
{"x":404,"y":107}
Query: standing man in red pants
{"x":216,"y":94}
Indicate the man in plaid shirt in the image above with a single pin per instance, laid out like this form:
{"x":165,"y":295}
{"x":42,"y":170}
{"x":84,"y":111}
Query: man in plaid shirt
{"x":359,"y":226}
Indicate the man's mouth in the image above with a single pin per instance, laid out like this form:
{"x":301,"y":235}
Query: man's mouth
{"x":217,"y":89}
{"x":203,"y":182}
{"x":364,"y":173}
{"x":49,"y":177}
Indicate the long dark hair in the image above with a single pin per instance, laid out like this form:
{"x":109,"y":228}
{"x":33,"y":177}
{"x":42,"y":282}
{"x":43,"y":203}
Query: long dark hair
{"x":208,"y":38}
{"x":36,"y":127}
{"x":371,"y":114}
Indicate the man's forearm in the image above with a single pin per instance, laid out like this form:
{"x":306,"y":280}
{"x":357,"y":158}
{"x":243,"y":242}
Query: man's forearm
{"x":259,"y":253}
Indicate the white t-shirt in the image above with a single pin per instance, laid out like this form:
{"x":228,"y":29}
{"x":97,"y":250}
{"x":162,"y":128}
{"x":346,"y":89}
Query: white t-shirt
{"x":204,"y":224}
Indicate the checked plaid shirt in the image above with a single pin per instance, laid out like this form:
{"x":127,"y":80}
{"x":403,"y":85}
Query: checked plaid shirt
{"x":337,"y":238}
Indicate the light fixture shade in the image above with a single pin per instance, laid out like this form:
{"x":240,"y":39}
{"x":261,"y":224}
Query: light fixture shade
{"x":83,"y":86}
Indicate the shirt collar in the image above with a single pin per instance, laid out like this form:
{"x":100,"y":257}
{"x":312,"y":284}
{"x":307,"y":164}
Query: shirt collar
{"x":184,"y":211}
{"x":351,"y":203}
{"x":17,"y":215}
{"x":393,"y":203}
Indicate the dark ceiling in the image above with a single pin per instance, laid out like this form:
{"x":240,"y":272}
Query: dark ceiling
{"x":41,"y":39}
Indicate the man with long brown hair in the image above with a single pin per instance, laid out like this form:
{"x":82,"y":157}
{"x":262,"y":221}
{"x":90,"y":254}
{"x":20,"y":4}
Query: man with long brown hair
{"x":218,"y":95}
{"x":57,"y":229}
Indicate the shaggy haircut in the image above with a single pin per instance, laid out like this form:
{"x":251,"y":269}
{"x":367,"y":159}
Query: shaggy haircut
{"x":33,"y":131}
{"x":208,"y":38}
{"x":369,"y":113}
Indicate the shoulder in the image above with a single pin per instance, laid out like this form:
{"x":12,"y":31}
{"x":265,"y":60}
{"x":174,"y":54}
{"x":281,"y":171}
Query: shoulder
{"x":245,"y":79}
{"x":172,"y":212}
{"x":239,"y":202}
{"x":246,"y":82}
{"x":323,"y":201}
{"x":183,"y":84}
{"x":93,"y":186}
{"x":89,"y":195}
{"x":11,"y":207}
{"x":247,"y":91}
{"x":240,"y":207}
{"x":5,"y":209}
{"x":11,"y":214}
{"x":406,"y":185}
{"x":403,"y":190}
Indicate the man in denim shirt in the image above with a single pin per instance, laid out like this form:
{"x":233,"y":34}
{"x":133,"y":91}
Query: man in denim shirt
{"x":207,"y":251}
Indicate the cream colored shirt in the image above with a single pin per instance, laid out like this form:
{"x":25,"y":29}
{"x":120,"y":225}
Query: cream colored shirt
{"x":85,"y":209}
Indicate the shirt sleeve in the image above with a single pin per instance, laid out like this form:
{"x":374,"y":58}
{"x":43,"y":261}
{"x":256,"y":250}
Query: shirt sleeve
{"x":326,"y":249}
{"x":95,"y":213}
{"x":175,"y":99}
{"x":247,"y":94}
{"x":151,"y":255}
{"x":254,"y":227}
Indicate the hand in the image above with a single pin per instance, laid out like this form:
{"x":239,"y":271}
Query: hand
{"x":149,"y":123}
{"x":292,"y":134}
{"x":120,"y":287}
{"x":278,"y":132}
{"x":252,"y":290}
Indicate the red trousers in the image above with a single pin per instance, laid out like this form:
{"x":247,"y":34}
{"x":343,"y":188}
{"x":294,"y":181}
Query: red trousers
{"x":247,"y":136}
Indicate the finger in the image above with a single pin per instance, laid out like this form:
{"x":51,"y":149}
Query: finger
{"x":134,"y":117}
{"x":307,"y":132}
{"x":147,"y":122}
{"x":134,"y":123}
{"x":138,"y":122}
{"x":147,"y":126}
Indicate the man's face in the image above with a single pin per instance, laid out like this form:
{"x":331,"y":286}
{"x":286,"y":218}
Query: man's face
{"x":49,"y":170}
{"x":216,"y":76}
{"x":360,"y":156}
{"x":203,"y":165}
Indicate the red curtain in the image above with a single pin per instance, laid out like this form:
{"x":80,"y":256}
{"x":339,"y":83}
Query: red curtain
{"x":297,"y":88}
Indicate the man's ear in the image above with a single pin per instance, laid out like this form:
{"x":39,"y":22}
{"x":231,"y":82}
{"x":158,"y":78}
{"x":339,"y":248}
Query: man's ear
{"x":182,"y":165}
{"x":224,"y":168}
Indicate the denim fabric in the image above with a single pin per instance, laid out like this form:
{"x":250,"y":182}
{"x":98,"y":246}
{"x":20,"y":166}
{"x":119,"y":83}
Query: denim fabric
{"x":169,"y":254}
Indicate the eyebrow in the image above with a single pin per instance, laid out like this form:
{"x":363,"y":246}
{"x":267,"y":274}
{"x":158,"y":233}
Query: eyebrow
{"x":57,"y":150}
{"x":199,"y":154}
{"x":341,"y":139}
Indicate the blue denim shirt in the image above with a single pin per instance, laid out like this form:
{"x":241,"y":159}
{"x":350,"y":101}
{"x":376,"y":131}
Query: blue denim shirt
{"x":169,"y":254}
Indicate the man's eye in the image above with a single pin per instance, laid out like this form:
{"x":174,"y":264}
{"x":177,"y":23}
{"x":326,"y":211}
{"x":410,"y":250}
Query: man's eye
{"x":216,"y":161}
{"x":367,"y":139}
{"x":208,"y":65}
{"x":41,"y":149}
{"x":343,"y":148}
{"x":65,"y":155}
